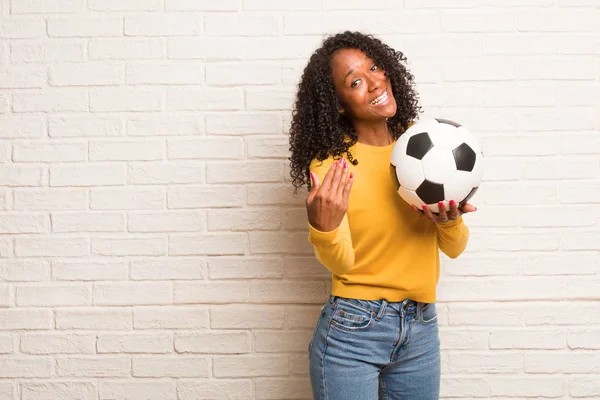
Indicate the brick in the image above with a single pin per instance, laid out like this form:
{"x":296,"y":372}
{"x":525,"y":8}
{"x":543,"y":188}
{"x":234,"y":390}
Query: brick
{"x":379,"y":22}
{"x":496,"y":193}
{"x":485,"y":69}
{"x":279,"y":242}
{"x":96,"y":318}
{"x":250,"y":366}
{"x":269,"y":99}
{"x":166,"y":173}
{"x":168,"y":268}
{"x":55,"y":390}
{"x":241,"y":25}
{"x":554,"y":264}
{"x":243,"y":172}
{"x":22,"y":77}
{"x":7,"y":388}
{"x":244,"y":268}
{"x":244,"y":220}
{"x":282,"y":47}
{"x":576,"y":313}
{"x":49,"y":152}
{"x":128,"y":246}
{"x":88,"y":175}
{"x":485,"y":315}
{"x":84,"y":127}
{"x":518,"y":44}
{"x":239,"y":389}
{"x":32,"y":367}
{"x":24,"y":271}
{"x":558,"y":362}
{"x":36,"y":246}
{"x":85,"y":26}
{"x":281,"y":5}
{"x":213,"y":99}
{"x":168,"y":125}
{"x":530,"y":339}
{"x":558,"y":20}
{"x":25,"y":319}
{"x":464,"y":340}
{"x":207,"y":49}
{"x":89,"y":74}
{"x":283,"y":388}
{"x":18,"y":127}
{"x":464,"y":387}
{"x":132,"y":293}
{"x":105,"y":100}
{"x":584,"y":387}
{"x":88,"y":222}
{"x":172,"y":221}
{"x":127,"y":198}
{"x":50,"y":100}
{"x":586,"y":340}
{"x":488,"y":22}
{"x":127,"y":49}
{"x":210,"y":292}
{"x":477,"y":265}
{"x":439,"y":4}
{"x":49,"y":51}
{"x":171,"y":367}
{"x":6,"y":347}
{"x":93,"y":366}
{"x":487,"y":363}
{"x":21,"y":176}
{"x":524,"y":145}
{"x":242,"y":73}
{"x":155,"y":343}
{"x":579,"y":193}
{"x":262,"y":194}
{"x":22,"y":28}
{"x":213,"y":343}
{"x":167,"y":24}
{"x":320,"y":23}
{"x":268,"y":147}
{"x":302,"y":317}
{"x":206,"y":148}
{"x":207,"y":244}
{"x":23,"y":223}
{"x":50,"y":343}
{"x":137,"y":390}
{"x":281,"y":342}
{"x":167,"y":74}
{"x":5,"y":296}
{"x":569,"y":217}
{"x":89,"y":270}
{"x":53,"y":295}
{"x":240,"y":316}
{"x":44,"y":7}
{"x":285,"y":292}
{"x":50,"y":199}
{"x":202,"y":5}
{"x":124,"y":5}
{"x":558,"y":68}
{"x":168,"y":317}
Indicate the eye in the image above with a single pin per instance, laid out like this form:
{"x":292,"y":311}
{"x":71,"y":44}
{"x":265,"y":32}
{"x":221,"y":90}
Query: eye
{"x":374,"y":68}
{"x":354,"y":83}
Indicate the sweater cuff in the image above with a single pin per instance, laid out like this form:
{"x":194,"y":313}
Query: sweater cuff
{"x":450,"y":224}
{"x":317,"y":236}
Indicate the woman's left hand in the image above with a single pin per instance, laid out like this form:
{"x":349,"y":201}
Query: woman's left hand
{"x":446,"y":215}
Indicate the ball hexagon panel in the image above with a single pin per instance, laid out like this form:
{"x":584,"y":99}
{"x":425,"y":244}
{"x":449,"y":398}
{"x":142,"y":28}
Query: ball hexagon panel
{"x":464,"y":157}
{"x":438,"y":165}
{"x":410,"y":197}
{"x":413,"y":179}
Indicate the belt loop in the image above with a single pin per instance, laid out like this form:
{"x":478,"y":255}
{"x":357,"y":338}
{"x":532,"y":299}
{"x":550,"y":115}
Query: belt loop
{"x":384,"y":304}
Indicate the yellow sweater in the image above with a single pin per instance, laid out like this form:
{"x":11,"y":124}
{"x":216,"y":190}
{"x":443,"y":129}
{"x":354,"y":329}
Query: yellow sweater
{"x":383,"y":249}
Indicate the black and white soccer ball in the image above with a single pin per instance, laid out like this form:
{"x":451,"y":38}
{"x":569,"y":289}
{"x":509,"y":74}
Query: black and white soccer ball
{"x":437,"y":160}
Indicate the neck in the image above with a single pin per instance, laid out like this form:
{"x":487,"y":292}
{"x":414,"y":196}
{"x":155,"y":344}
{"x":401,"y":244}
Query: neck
{"x":373,"y":133}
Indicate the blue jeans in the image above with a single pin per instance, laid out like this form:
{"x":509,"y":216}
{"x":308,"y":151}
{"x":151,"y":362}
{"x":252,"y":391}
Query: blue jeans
{"x":375,"y":350}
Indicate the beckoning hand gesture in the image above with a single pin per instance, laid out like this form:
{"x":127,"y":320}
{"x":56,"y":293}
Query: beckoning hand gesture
{"x":327,"y":203}
{"x":445,"y":216}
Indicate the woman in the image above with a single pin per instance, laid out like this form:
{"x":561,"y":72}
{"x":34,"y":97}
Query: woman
{"x":377,"y":335}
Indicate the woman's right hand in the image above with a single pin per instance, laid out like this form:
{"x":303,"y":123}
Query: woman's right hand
{"x":327,"y":203}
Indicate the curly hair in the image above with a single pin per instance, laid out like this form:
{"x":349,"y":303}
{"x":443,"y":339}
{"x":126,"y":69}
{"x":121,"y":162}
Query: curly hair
{"x":318,"y":130}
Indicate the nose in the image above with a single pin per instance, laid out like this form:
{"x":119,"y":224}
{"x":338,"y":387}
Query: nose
{"x":374,"y":83}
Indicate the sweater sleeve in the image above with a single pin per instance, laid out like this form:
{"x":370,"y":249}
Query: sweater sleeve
{"x":453,"y":237}
{"x":333,"y":249}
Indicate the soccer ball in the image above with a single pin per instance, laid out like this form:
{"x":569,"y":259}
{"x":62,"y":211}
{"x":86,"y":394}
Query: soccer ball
{"x":437,"y":160}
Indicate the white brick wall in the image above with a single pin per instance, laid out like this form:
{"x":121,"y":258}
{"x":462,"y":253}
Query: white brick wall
{"x":151,"y":246}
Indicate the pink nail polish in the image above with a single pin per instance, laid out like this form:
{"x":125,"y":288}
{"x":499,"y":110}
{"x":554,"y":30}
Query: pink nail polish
{"x":452,"y":203}
{"x":424,"y":206}
{"x":351,"y":174}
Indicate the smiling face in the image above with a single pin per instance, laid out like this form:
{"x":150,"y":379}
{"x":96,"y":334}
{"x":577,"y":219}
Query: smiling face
{"x":364,"y":90}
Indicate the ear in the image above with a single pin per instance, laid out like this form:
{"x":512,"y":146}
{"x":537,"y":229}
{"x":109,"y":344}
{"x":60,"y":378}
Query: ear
{"x":341,"y":109}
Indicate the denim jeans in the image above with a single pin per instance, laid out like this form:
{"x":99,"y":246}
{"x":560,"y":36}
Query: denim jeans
{"x":375,"y":350}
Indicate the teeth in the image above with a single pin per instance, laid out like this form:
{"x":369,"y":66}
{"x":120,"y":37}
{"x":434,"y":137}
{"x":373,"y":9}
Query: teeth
{"x":380,"y":98}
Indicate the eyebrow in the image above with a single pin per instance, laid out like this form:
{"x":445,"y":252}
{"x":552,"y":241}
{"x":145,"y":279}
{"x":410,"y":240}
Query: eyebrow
{"x":352,"y":70}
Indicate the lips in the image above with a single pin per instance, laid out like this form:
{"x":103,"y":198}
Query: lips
{"x":382,"y":99}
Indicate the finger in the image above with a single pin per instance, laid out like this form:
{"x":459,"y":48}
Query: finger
{"x":467,"y":208}
{"x":343,"y":180}
{"x":417,"y":210}
{"x":443,"y":215}
{"x":337,"y":177}
{"x":326,"y":185}
{"x":314,"y":187}
{"x":347,"y":187}
{"x":454,"y":212}
{"x":428,"y":213}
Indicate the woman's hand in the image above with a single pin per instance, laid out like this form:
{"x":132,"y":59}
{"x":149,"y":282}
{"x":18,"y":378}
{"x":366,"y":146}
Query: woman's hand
{"x":327,"y":203}
{"x":444,"y":216}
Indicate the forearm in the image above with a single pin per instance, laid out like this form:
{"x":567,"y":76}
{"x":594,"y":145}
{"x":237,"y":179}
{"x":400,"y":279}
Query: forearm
{"x":453,"y":237}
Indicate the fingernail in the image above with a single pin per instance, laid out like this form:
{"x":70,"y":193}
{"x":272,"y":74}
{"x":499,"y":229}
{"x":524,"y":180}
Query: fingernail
{"x":452,"y":203}
{"x":424,"y":206}
{"x":475,"y":209}
{"x":345,"y":165}
{"x":351,"y":174}
{"x":441,"y":204}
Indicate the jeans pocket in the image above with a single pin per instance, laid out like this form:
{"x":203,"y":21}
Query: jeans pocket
{"x":321,"y":314}
{"x":428,"y":314}
{"x":350,"y":317}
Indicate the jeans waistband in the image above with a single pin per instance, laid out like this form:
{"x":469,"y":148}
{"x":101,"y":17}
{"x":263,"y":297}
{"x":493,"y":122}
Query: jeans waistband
{"x":379,"y":307}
